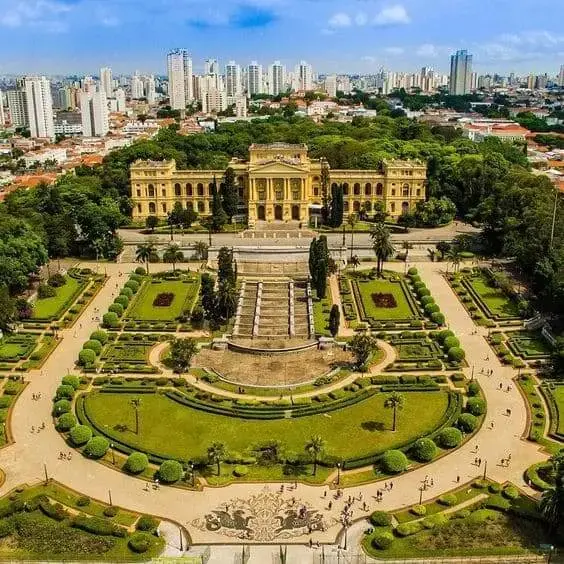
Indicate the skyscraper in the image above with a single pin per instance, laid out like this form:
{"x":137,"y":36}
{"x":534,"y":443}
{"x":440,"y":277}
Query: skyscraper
{"x":2,"y":116}
{"x":233,"y":86}
{"x":276,"y":78}
{"x":460,"y":73}
{"x":211,"y":66}
{"x":254,"y":79}
{"x":137,"y":89}
{"x":106,"y":81}
{"x":561,"y":77}
{"x":39,"y":107}
{"x":179,"y":66}
{"x":331,"y":85}
{"x":17,"y":104}
{"x":304,"y":74}
{"x":94,"y":113}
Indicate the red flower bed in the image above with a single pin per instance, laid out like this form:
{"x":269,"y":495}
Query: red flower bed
{"x":163,"y":300}
{"x":384,"y":300}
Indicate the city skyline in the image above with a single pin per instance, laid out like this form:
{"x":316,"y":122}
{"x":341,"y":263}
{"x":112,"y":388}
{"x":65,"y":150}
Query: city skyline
{"x":80,"y":36}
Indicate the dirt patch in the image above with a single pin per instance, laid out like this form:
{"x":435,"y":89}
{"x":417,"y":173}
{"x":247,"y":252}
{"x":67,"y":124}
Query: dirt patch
{"x":384,"y":300}
{"x":272,"y":369}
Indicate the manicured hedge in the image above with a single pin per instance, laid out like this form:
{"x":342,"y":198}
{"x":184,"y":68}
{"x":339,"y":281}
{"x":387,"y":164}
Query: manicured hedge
{"x":86,"y":357}
{"x":467,"y":422}
{"x":71,"y":380}
{"x":476,"y":406}
{"x":110,"y":319}
{"x":448,"y":499}
{"x":140,"y":542}
{"x":170,"y":471}
{"x":66,"y":422}
{"x":93,"y":345}
{"x":381,"y":519}
{"x":96,"y":447}
{"x":383,"y":540}
{"x":424,"y":450}
{"x":61,"y":406}
{"x":449,"y":437}
{"x":136,"y":462}
{"x":408,"y":529}
{"x":394,"y":461}
{"x":64,"y":392}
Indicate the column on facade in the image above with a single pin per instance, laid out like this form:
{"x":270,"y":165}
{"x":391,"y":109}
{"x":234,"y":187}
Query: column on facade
{"x":286,"y":189}
{"x":269,"y":189}
{"x":252,"y":189}
{"x":302,"y":189}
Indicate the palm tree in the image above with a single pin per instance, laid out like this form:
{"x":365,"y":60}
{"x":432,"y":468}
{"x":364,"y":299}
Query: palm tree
{"x":216,"y":453}
{"x":201,"y":249}
{"x":351,"y":220}
{"x":144,"y":252}
{"x":173,"y":254}
{"x":382,"y":245}
{"x":551,"y":504}
{"x":394,"y":401}
{"x":314,"y":448}
{"x":355,"y":261}
{"x":453,"y":256}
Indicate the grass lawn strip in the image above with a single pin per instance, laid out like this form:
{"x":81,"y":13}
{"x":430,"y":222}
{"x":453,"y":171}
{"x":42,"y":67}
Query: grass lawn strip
{"x":321,"y":309}
{"x":53,"y":308}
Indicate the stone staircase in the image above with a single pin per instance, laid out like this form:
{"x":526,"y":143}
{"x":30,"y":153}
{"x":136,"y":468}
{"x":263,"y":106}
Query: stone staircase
{"x":274,"y":318}
{"x":246,"y":309}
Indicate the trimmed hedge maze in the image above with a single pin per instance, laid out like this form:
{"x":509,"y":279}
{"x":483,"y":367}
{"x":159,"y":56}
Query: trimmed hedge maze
{"x":553,"y":393}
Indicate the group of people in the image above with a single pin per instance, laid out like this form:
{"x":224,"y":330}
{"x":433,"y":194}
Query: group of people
{"x":40,"y":428}
{"x":36,"y":397}
{"x":65,"y":456}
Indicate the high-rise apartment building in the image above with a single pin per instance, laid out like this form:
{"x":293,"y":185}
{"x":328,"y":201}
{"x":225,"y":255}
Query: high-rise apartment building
{"x":460,"y":73}
{"x":17,"y":104}
{"x":304,"y":75}
{"x":137,"y":89}
{"x":233,"y":84}
{"x":179,"y":67}
{"x":150,"y":91}
{"x":276,"y":78}
{"x":39,"y":107}
{"x":212,"y":94}
{"x":211,"y":66}
{"x":94,"y":113}
{"x":254,"y":79}
{"x":561,"y":77}
{"x":106,"y":81}
{"x":120,"y":100}
{"x":331,"y":85}
{"x":2,"y":115}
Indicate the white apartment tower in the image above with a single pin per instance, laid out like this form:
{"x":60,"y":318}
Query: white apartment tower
{"x":150,"y":92}
{"x":276,"y":78}
{"x":94,"y":113}
{"x":561,"y":77}
{"x":304,"y":74}
{"x":39,"y":107}
{"x":106,"y":81}
{"x":233,"y":84}
{"x":331,"y":85}
{"x":17,"y":104}
{"x":2,"y":116}
{"x":137,"y":89}
{"x":460,"y":73}
{"x":254,"y":79}
{"x":211,"y":66}
{"x":179,"y":67}
{"x":213,"y":98}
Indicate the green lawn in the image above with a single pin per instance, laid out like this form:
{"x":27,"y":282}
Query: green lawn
{"x":368,"y":288}
{"x":558,"y":394}
{"x":53,"y":308}
{"x":321,"y":309}
{"x":13,"y":347}
{"x":142,"y":308}
{"x":529,"y":344}
{"x":498,"y":302}
{"x":176,"y":431}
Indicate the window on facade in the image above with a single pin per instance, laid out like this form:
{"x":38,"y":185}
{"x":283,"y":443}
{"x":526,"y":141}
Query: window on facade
{"x":139,"y":208}
{"x":356,"y":206}
{"x":295,"y":194}
{"x":261,"y":194}
{"x":334,"y":186}
{"x":163,"y":193}
{"x":189,"y":189}
{"x":279,"y":194}
{"x":151,"y":191}
{"x":419,"y":191}
{"x":138,"y":193}
{"x":152,"y":208}
{"x":177,"y":190}
{"x":367,"y":189}
{"x":393,"y":207}
{"x":405,"y":190}
{"x":393,"y":191}
{"x":345,"y":206}
{"x":164,"y":208}
{"x":201,"y":206}
{"x":241,"y":192}
{"x":315,"y":191}
{"x":346,"y":188}
{"x":404,"y":207}
{"x":200,"y":189}
{"x":356,"y":188}
{"x":379,"y":189}
{"x":189,"y":206}
{"x":210,"y":188}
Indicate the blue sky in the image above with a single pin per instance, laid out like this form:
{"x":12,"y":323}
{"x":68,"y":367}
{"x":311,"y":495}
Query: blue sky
{"x":79,"y":36}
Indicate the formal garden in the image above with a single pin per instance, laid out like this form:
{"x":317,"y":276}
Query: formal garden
{"x":521,"y":348}
{"x":50,"y":522}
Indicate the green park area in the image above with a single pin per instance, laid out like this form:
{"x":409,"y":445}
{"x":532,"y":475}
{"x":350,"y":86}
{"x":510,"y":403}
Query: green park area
{"x":529,"y":345}
{"x":196,"y":429}
{"x":384,"y":300}
{"x":53,"y":307}
{"x":558,"y":395}
{"x":163,"y":300}
{"x":16,"y":347}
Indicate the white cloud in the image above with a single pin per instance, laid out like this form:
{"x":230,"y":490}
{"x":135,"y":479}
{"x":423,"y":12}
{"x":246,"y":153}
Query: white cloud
{"x":538,"y":38}
{"x":368,"y":59}
{"x":45,"y":14}
{"x":427,"y":50}
{"x":392,"y":15}
{"x":361,"y":19}
{"x":394,"y":50}
{"x":340,"y":19}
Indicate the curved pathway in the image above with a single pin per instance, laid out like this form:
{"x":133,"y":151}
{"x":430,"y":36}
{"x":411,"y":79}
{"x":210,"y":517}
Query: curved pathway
{"x":24,"y":460}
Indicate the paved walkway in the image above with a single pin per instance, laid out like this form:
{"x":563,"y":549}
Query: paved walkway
{"x":24,"y":461}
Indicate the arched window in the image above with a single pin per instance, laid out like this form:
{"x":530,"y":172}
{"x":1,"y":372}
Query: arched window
{"x":200,"y":189}
{"x":393,"y":207}
{"x":163,"y":193}
{"x":138,"y":208}
{"x":177,"y":189}
{"x":241,"y":192}
{"x":404,"y":207}
{"x":345,"y":206}
{"x":316,"y":191}
{"x":334,"y":186}
{"x":356,"y":189}
{"x":164,"y":208}
{"x":151,"y":191}
{"x":379,"y":189}
{"x":189,"y":189}
{"x":189,"y":206}
{"x":346,"y":188}
{"x":201,"y":207}
{"x":356,"y":206}
{"x":316,"y":178}
{"x":152,"y":208}
{"x":405,"y":190}
{"x":210,"y":188}
{"x":367,"y":189}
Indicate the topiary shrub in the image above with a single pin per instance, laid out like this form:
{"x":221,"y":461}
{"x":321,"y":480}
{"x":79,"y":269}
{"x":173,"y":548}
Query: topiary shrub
{"x":412,"y":271}
{"x":456,"y":354}
{"x":434,"y":521}
{"x":451,"y":342}
{"x":467,"y":423}
{"x":240,"y":471}
{"x":425,"y":300}
{"x":122,"y":300}
{"x":100,"y":336}
{"x":407,"y":529}
{"x":170,"y":471}
{"x":66,"y":422}
{"x":476,"y":406}
{"x":117,"y":309}
{"x":495,"y":488}
{"x":64,"y":392}
{"x":110,"y":319}
{"x":86,"y":357}
{"x":511,"y":492}
{"x":448,"y":499}
{"x":126,"y":292}
{"x":110,"y":511}
{"x":473,"y":389}
{"x":419,"y":510}
{"x":136,"y":462}
{"x":394,"y":461}
{"x":424,"y":450}
{"x":80,"y":435}
{"x":140,"y":542}
{"x":96,"y":447}
{"x":82,"y":501}
{"x":423,"y":292}
{"x":45,"y":291}
{"x":146,"y":523}
{"x":61,"y":406}
{"x":93,"y":345}
{"x":132,"y":285}
{"x":444,"y":334}
{"x":140,"y":271}
{"x":431,"y":308}
{"x":449,"y":437}
{"x":383,"y":540}
{"x":381,"y":519}
{"x":438,"y":318}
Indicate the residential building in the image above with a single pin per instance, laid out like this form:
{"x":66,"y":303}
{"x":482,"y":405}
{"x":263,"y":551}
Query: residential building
{"x":17,"y":104}
{"x":55,"y":154}
{"x":120,"y":100}
{"x":460,"y":73}
{"x":561,"y":77}
{"x":279,"y":182}
{"x":254,"y":79}
{"x":212,"y":94}
{"x":179,"y":67}
{"x":331,"y":85}
{"x":505,"y":130}
{"x":2,"y":115}
{"x":211,"y":66}
{"x":233,"y":83}
{"x":241,"y":106}
{"x":137,"y":89}
{"x":276,"y":78}
{"x":106,"y":81}
{"x":68,"y":123}
{"x":94,"y":113}
{"x":304,"y":74}
{"x":39,"y":107}
{"x":150,"y":91}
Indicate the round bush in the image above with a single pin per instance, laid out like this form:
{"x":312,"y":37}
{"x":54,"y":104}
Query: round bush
{"x":96,"y":447}
{"x":382,"y":541}
{"x":449,"y":437}
{"x":71,"y":380}
{"x":170,"y":471}
{"x":140,"y":542}
{"x":445,"y":334}
{"x":111,"y":511}
{"x":140,"y":271}
{"x":146,"y":523}
{"x":419,"y":510}
{"x":425,"y":300}
{"x":122,"y":300}
{"x":136,"y":462}
{"x":240,"y":471}
{"x":66,"y":422}
{"x":418,"y":284}
{"x":467,"y":423}
{"x":128,"y":292}
{"x":451,"y":342}
{"x":82,"y":501}
{"x":456,"y":354}
{"x":117,"y":309}
{"x":424,"y":450}
{"x":511,"y":492}
{"x":431,"y":308}
{"x":494,"y":488}
{"x":407,"y":529}
{"x":434,"y":521}
{"x":422,"y":292}
{"x":448,"y":499}
{"x":394,"y":461}
{"x":86,"y":357}
{"x":381,"y":519}
{"x":61,"y":406}
{"x":438,"y":318}
{"x":93,"y":345}
{"x":80,"y":435}
{"x":473,"y":389}
{"x":64,"y":392}
{"x":412,"y":271}
{"x":100,"y":336}
{"x":132,"y":285}
{"x":476,"y":406}
{"x":110,"y":319}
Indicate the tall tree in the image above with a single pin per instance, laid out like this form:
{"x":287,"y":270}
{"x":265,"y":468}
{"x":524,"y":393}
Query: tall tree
{"x":337,"y":206}
{"x":362,"y":347}
{"x":216,"y":454}
{"x":230,"y":193}
{"x":173,"y":254}
{"x":151,"y":221}
{"x":181,"y":353}
{"x":218,"y":215}
{"x":382,"y":245}
{"x":379,"y":212}
{"x":325,"y":181}
{"x":7,"y":310}
{"x":225,"y":266}
{"x":315,"y":447}
{"x":226,"y":300}
{"x":334,"y":320}
{"x":144,"y":252}
{"x":395,"y":401}
{"x":208,"y":296}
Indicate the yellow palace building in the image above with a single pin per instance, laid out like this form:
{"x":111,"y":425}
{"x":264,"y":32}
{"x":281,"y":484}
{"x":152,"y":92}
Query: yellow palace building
{"x":279,"y":182}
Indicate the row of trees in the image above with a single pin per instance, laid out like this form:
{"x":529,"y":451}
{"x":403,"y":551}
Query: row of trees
{"x":320,"y":264}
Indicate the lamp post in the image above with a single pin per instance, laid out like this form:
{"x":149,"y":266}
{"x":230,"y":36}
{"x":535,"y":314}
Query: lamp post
{"x":113,"y":453}
{"x":181,"y":539}
{"x":46,"y":475}
{"x":135,"y":403}
{"x":472,"y":377}
{"x":110,"y":496}
{"x":421,"y":488}
{"x":345,"y":521}
{"x":338,"y":473}
{"x":485,"y":468}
